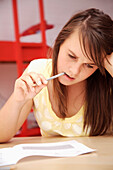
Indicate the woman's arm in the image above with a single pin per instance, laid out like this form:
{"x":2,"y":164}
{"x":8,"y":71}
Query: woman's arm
{"x":18,"y":106}
{"x":109,"y":65}
{"x":12,"y":116}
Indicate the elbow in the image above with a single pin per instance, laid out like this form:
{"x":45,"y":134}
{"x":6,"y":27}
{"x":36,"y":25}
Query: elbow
{"x":5,"y":138}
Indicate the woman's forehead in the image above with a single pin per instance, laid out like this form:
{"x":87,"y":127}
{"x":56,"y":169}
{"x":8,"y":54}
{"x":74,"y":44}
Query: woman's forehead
{"x":75,"y":44}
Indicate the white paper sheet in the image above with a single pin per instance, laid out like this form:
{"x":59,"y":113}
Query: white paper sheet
{"x":12,"y":155}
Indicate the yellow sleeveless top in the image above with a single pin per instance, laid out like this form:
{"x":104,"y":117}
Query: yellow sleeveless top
{"x":49,"y":123}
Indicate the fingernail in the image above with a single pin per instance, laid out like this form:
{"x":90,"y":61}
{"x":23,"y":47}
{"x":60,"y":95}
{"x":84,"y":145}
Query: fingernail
{"x":39,"y":83}
{"x":32,"y":89}
{"x":45,"y":81}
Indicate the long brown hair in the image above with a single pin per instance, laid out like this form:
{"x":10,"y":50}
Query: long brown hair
{"x":96,"y":38}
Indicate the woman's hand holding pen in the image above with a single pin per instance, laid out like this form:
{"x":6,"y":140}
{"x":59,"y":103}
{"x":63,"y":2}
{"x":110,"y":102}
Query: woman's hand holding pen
{"x":24,"y":86}
{"x":109,"y":64}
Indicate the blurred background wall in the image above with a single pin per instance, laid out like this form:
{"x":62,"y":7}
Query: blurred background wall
{"x":56,"y":12}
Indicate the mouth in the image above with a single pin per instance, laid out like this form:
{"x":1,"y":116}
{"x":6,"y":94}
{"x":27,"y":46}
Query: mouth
{"x":68,"y":76}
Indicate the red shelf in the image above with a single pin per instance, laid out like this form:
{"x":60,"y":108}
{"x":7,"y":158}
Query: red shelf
{"x":22,"y":52}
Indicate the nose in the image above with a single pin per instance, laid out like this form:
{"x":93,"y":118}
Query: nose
{"x":75,"y":69}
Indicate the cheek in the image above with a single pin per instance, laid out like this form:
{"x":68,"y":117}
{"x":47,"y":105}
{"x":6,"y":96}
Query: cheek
{"x":90,"y":72}
{"x":61,"y":62}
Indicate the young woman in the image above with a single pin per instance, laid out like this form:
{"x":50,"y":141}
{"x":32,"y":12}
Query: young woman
{"x":78,"y":103}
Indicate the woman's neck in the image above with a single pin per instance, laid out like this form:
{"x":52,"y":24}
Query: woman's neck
{"x":76,"y":98}
{"x":75,"y":90}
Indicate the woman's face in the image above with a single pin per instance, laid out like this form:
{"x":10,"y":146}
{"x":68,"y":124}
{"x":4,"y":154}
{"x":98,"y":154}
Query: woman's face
{"x":73,"y":62}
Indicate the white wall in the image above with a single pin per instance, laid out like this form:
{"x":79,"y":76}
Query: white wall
{"x":57,"y":12}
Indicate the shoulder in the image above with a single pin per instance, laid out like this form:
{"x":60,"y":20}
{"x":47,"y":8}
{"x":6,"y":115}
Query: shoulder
{"x":38,"y":65}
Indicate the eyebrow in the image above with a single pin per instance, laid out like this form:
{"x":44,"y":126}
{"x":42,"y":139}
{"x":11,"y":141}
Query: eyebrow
{"x":78,"y":57}
{"x":73,"y":53}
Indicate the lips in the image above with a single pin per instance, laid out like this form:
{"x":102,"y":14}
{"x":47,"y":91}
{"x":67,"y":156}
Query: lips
{"x":69,"y":76}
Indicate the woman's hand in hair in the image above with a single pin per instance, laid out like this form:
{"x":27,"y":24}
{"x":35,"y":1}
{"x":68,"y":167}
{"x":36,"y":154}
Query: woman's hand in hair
{"x":109,"y":64}
{"x":28,"y":85}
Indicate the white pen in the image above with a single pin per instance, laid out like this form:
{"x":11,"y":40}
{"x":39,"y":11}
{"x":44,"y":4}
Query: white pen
{"x":53,"y":77}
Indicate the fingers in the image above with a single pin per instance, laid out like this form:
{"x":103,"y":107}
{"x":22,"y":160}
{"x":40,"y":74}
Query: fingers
{"x":34,"y":78}
{"x":40,"y":80}
{"x":22,"y":85}
{"x":27,"y":82}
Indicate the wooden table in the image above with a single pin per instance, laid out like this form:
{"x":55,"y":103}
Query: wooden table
{"x":102,"y":159}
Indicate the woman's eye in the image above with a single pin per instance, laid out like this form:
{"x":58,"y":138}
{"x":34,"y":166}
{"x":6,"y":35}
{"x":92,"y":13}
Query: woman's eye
{"x":71,"y":56}
{"x":88,"y":65}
